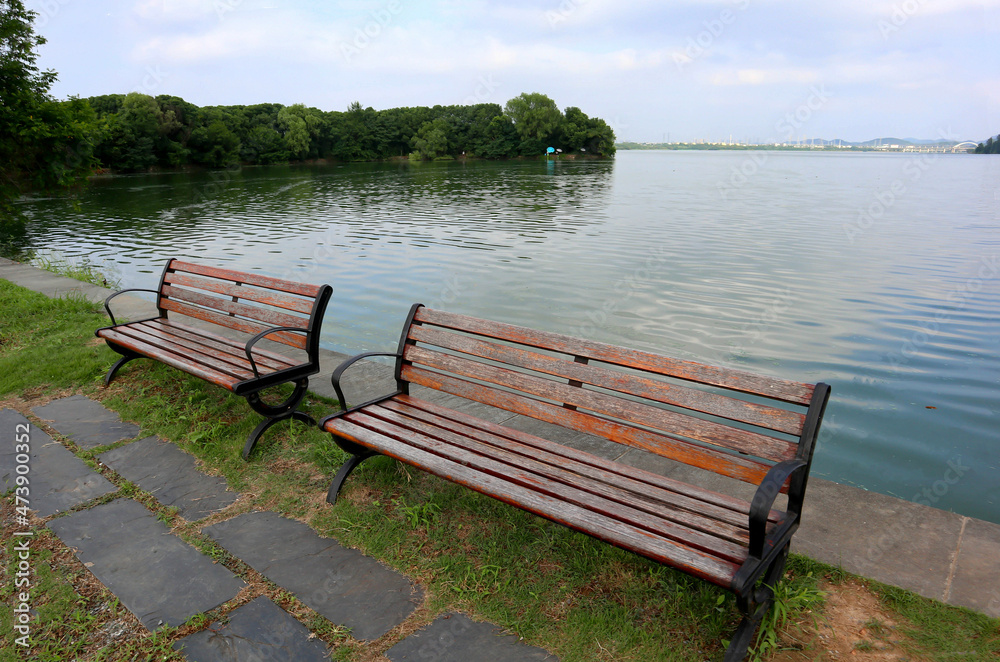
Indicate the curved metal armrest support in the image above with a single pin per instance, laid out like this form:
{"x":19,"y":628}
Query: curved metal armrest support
{"x":262,"y":334}
{"x":112,"y":296}
{"x":338,"y":373}
{"x":764,"y":498}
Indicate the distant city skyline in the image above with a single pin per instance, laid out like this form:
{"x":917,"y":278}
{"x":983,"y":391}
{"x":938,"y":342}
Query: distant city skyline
{"x":695,"y":69}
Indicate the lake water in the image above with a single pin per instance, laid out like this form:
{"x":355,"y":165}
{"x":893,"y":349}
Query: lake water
{"x":877,"y":273}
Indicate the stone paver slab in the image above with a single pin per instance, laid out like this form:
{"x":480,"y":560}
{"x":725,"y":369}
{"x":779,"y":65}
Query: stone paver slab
{"x":342,"y":584}
{"x":975,"y":584}
{"x":57,"y":479}
{"x":89,"y":424}
{"x":457,"y":638}
{"x":156,"y":575}
{"x":258,"y":631}
{"x":170,"y":475}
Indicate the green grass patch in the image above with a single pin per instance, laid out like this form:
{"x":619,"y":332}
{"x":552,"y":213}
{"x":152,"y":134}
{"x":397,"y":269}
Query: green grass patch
{"x":48,"y":343}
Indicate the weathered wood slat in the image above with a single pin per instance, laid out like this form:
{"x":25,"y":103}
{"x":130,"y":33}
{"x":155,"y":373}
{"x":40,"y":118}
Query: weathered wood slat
{"x":632,"y":412}
{"x":198,"y":370}
{"x":269,"y":297}
{"x":772,"y":418}
{"x":699,"y":564}
{"x":167,"y":346}
{"x":291,"y":287}
{"x":268,"y":316}
{"x":658,"y":489}
{"x":742,"y":468}
{"x":223,"y":346}
{"x":737,"y":380}
{"x":645,"y":479}
{"x":292,"y":339}
{"x":573,"y":483}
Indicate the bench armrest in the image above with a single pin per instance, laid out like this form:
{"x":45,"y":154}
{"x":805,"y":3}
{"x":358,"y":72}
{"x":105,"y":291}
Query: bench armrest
{"x":262,"y":334}
{"x":339,"y":372}
{"x":131,"y":289}
{"x":764,"y":498}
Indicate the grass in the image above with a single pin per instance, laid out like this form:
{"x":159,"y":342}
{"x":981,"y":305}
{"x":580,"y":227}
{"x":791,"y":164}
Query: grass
{"x":579,"y":598}
{"x":85,"y":271}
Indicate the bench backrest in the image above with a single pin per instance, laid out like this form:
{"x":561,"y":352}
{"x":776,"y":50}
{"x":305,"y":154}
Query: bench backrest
{"x":250,"y":303}
{"x":731,"y":422}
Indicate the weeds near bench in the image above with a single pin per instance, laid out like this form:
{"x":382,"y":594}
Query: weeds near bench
{"x":791,"y":596}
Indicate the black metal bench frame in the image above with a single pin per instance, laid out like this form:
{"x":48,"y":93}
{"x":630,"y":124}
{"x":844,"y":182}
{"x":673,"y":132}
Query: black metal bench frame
{"x":250,"y":307}
{"x":753,"y":428}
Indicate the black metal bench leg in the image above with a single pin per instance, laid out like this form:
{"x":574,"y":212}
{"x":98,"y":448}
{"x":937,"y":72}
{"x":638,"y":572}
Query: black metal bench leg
{"x":126,"y":357}
{"x":754,"y":609}
{"x":345,"y":471}
{"x":287,"y":410}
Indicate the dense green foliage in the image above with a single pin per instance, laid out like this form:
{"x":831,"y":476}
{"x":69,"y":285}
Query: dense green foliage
{"x":44,"y":144}
{"x":991,"y":146}
{"x":136,"y":132}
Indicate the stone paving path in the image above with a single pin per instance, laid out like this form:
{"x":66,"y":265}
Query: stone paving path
{"x":165,"y":581}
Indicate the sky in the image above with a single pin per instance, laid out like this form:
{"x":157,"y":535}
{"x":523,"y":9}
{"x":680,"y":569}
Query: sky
{"x":655,"y":70}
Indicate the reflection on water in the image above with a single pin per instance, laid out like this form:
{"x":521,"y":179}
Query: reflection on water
{"x":876,"y":273}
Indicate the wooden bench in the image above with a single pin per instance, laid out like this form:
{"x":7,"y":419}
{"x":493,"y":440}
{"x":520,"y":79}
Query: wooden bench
{"x":244,"y":308}
{"x":749,"y":427}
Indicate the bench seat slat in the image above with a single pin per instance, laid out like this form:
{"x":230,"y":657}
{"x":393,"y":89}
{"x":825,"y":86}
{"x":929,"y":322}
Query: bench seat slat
{"x":716,"y":535}
{"x":257,"y":313}
{"x":684,"y":425}
{"x":737,"y":380}
{"x":743,"y":468}
{"x":646,"y":543}
{"x":224,"y":380}
{"x":632,"y":476}
{"x":291,"y":287}
{"x":168,"y":346}
{"x":292,"y":339}
{"x":228,"y":288}
{"x":224,"y":346}
{"x":772,"y":418}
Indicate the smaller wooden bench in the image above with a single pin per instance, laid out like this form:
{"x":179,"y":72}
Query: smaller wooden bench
{"x":753,"y":428}
{"x":245,"y":308}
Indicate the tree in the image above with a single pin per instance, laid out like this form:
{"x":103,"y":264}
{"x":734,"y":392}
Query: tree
{"x":44,"y":144}
{"x":431,"y":140}
{"x":535,"y":116}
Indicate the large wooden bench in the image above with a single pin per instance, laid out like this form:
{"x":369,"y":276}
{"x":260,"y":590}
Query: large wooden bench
{"x":241,"y":309}
{"x":749,"y":427}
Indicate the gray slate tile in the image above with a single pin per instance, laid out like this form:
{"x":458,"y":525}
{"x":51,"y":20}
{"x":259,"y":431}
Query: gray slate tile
{"x":259,"y":631}
{"x":342,"y":584}
{"x":89,"y":424}
{"x":975,"y":581}
{"x":156,"y":575}
{"x":457,"y":638}
{"x":57,"y":479}
{"x":170,"y":475}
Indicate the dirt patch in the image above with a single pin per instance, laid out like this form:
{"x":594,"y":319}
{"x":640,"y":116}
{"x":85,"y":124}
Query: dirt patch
{"x":853,"y":626}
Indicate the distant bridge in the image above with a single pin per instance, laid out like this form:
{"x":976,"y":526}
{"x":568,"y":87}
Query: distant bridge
{"x":967,"y":144}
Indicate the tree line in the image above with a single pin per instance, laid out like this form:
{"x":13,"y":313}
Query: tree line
{"x":48,"y":144}
{"x":135,"y":132}
{"x":991,"y":146}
